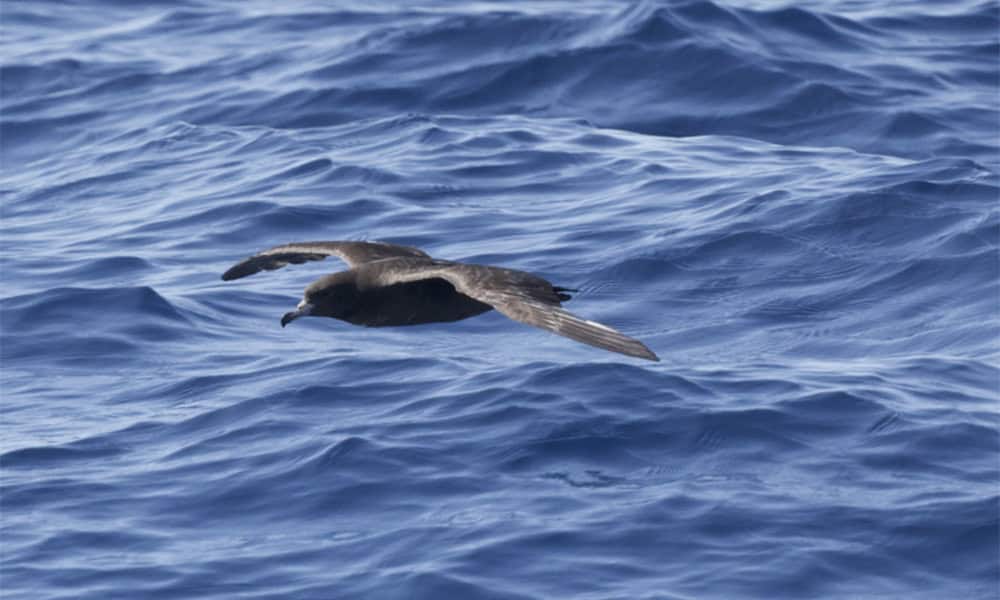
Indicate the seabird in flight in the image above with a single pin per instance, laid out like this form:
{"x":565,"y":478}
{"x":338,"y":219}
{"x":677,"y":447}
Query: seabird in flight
{"x":389,"y":285}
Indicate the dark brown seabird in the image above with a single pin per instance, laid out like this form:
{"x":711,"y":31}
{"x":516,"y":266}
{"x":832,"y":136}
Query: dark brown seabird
{"x":390,"y":285}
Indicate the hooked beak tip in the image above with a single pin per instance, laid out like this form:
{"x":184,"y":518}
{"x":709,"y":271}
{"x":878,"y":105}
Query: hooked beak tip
{"x":303,"y":309}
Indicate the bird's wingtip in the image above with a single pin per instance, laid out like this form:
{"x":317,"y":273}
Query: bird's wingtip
{"x":648,"y":354}
{"x":234,"y":272}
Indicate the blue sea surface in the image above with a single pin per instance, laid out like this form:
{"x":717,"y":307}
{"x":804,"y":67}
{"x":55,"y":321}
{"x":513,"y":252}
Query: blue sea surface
{"x":795,"y":204}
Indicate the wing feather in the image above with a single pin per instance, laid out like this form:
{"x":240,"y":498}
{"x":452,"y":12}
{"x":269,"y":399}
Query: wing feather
{"x":353,"y":253}
{"x":520,"y":296}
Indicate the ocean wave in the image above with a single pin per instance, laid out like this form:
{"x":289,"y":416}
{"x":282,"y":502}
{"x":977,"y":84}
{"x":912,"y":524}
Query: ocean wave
{"x":794,"y":206}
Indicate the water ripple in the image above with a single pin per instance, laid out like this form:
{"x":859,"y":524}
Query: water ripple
{"x":794,"y":206}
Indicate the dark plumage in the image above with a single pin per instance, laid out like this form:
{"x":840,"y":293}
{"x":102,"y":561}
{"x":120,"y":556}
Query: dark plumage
{"x":391,"y":285}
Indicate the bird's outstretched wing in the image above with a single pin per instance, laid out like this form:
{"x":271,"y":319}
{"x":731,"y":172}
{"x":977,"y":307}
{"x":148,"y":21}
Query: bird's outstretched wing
{"x":353,"y":253}
{"x":518,"y":295}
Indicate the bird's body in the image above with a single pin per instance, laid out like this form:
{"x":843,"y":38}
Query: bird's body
{"x":363,"y":300}
{"x":392,"y":285}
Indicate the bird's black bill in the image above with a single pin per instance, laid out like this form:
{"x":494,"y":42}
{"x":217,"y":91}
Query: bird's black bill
{"x":303,"y":309}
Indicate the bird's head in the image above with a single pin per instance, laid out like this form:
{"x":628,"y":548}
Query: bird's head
{"x":330,"y":296}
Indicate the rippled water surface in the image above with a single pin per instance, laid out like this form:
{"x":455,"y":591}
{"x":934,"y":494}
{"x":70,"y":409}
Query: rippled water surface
{"x":795,"y":205}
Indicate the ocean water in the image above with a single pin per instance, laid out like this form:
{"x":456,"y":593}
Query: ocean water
{"x":795,"y":204}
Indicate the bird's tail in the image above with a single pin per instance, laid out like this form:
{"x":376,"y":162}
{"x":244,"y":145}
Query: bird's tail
{"x":563,"y":293}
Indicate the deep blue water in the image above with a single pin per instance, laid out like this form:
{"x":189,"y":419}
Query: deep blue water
{"x":796,"y":205}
